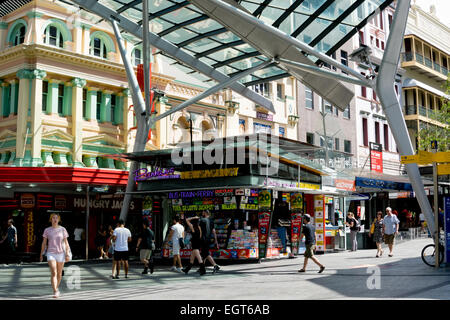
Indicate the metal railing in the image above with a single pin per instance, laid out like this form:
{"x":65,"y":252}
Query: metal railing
{"x":422,"y":111}
{"x":419,"y":58}
{"x":407,"y":56}
{"x":437,"y":67}
{"x":410,"y":110}
{"x":414,"y":56}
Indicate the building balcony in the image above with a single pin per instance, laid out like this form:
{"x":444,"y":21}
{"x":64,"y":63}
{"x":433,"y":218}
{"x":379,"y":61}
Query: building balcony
{"x":413,"y":112}
{"x":424,"y":65}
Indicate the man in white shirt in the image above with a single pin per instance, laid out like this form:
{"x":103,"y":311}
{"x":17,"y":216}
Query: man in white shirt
{"x":121,"y":236}
{"x":176,"y":232}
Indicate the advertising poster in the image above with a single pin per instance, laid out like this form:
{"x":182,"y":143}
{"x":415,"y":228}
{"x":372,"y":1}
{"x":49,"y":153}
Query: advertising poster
{"x":319,"y":222}
{"x":264,"y":221}
{"x":147,"y":207}
{"x":264,"y":199}
{"x":296,"y":202}
{"x":296,"y":228}
{"x":376,"y":157}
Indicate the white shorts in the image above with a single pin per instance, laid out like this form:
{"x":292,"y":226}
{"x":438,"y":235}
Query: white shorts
{"x":176,"y":248}
{"x":58,"y":257}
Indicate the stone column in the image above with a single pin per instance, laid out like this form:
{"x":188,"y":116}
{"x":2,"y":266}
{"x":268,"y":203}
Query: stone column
{"x":47,"y":158}
{"x":36,"y":116}
{"x":86,"y":38}
{"x":3,"y":33}
{"x":90,"y":161}
{"x":22,"y":114}
{"x":77,"y":37}
{"x":77,"y":121}
{"x":33,"y":34}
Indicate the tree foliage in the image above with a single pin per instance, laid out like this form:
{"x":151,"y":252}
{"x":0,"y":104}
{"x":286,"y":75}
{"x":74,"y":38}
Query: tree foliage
{"x":441,"y":134}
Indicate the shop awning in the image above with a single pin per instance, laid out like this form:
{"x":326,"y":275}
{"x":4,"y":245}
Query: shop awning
{"x":283,"y":149}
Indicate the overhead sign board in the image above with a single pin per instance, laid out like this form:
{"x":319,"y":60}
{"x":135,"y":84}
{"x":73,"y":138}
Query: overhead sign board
{"x":424,"y":157}
{"x":443,"y":169}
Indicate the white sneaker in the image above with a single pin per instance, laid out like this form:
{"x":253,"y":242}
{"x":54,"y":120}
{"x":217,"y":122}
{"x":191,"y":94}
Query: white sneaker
{"x":173,"y":269}
{"x":179,"y":270}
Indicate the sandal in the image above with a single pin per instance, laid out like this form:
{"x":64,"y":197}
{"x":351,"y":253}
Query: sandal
{"x":301,"y":270}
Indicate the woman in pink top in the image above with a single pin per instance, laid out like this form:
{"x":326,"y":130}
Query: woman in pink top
{"x":58,"y":250}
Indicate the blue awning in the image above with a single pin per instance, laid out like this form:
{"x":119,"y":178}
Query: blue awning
{"x":382,"y":184}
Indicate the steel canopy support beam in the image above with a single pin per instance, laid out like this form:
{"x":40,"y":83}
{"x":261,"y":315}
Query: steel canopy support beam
{"x":142,"y":124}
{"x":325,"y":73}
{"x":173,"y":51}
{"x":211,"y":91}
{"x":392,"y":108}
{"x":257,"y":24}
{"x":146,"y":51}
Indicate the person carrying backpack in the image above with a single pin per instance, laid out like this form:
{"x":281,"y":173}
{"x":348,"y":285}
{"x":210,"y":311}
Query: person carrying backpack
{"x":354,"y":229}
{"x":146,"y":244}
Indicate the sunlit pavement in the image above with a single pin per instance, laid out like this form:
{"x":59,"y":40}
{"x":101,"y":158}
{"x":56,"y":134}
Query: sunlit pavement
{"x":348,"y":275}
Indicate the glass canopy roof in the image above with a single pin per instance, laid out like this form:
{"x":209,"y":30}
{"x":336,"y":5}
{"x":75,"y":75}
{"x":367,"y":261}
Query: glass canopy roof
{"x":323,"y":24}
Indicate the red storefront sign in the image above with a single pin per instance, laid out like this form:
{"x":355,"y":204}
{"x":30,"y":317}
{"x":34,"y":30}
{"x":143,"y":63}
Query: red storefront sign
{"x":376,"y":157}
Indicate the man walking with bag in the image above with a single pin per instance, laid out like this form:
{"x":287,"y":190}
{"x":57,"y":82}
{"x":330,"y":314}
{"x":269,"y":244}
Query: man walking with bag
{"x":146,"y":245}
{"x":310,"y":240}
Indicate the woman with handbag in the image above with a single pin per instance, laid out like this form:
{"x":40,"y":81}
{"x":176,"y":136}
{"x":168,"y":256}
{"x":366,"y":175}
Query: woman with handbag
{"x":58,"y":251}
{"x":376,"y":229}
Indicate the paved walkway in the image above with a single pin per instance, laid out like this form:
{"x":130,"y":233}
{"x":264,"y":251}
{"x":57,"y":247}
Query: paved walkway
{"x":348,"y":275}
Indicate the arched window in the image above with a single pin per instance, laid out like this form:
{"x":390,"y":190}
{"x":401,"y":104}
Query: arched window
{"x":101,"y":44}
{"x":137,"y":57}
{"x":19,"y":36}
{"x":53,"y":36}
{"x":98,"y":48}
{"x":16,"y":34}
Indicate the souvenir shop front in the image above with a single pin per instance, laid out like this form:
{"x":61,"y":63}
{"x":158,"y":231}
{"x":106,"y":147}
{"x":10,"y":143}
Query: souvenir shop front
{"x":254,"y":215}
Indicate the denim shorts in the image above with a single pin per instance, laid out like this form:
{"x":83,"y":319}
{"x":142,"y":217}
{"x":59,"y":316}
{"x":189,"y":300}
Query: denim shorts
{"x":58,"y":257}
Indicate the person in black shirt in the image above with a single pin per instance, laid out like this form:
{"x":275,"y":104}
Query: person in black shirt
{"x":208,"y":234}
{"x":145,"y":243}
{"x":196,"y":242}
{"x":310,"y":240}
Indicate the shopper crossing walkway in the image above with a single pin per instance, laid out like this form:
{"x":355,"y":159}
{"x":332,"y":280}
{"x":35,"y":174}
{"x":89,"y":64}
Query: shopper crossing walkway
{"x":350,"y":275}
